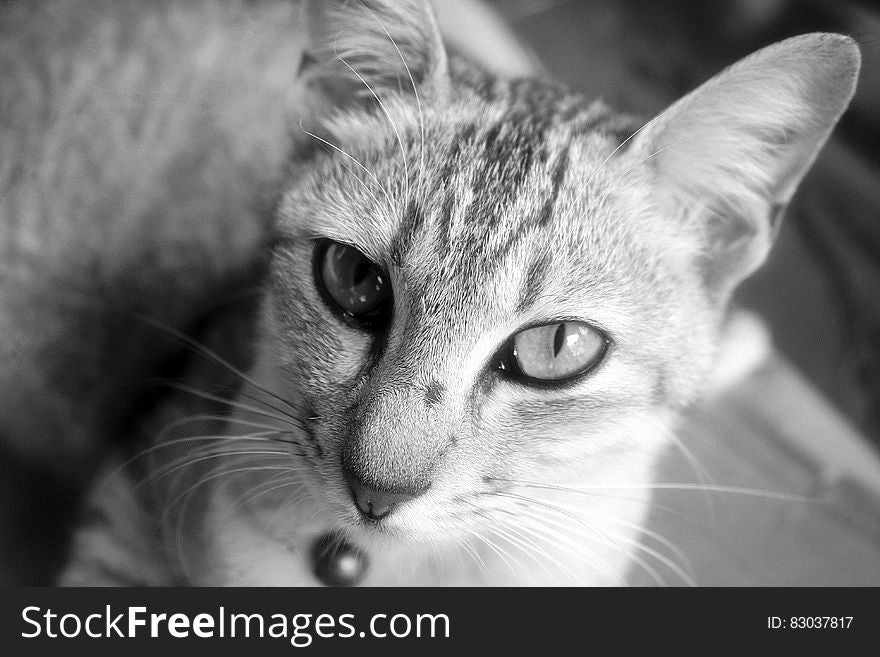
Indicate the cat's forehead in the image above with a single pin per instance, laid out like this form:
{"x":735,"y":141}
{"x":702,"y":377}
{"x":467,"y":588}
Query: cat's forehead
{"x":494,"y":188}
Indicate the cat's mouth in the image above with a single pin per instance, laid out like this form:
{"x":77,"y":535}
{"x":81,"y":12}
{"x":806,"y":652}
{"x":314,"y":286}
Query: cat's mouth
{"x":372,"y":517}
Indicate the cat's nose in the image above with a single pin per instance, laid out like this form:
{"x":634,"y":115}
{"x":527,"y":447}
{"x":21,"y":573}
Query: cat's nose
{"x":375,"y":503}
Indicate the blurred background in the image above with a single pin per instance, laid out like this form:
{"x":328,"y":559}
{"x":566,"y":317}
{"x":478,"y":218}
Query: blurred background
{"x":820,"y":289}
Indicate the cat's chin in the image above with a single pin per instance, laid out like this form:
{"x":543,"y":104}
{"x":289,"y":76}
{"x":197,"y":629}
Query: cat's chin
{"x":591,"y":546}
{"x":244,"y":557}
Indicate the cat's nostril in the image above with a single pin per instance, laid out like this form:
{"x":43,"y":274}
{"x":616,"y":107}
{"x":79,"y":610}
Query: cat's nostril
{"x":375,"y":503}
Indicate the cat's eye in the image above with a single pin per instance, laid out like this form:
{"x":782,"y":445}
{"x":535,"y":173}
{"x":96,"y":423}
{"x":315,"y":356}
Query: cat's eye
{"x":553,"y":352}
{"x":352,"y":283}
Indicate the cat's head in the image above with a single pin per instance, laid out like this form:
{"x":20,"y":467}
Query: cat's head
{"x":482,"y":281}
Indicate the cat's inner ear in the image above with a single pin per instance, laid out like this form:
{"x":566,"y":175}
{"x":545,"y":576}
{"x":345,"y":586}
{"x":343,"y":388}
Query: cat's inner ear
{"x":732,"y":153}
{"x":358,"y":51}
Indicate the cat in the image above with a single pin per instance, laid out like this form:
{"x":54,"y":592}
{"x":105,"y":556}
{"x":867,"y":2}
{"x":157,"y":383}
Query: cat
{"x":487,"y":301}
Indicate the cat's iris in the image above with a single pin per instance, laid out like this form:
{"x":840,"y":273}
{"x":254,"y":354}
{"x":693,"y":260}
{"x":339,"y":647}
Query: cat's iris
{"x":553,"y":352}
{"x":352,"y":283}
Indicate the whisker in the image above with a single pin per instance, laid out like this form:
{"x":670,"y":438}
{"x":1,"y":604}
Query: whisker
{"x":602,"y":164}
{"x":596,"y":494}
{"x":212,"y":355}
{"x":477,"y":559}
{"x":208,"y":417}
{"x":263,"y":404}
{"x":501,"y":553}
{"x":271,"y":434}
{"x":599,"y":533}
{"x":732,"y":490}
{"x":640,"y":129}
{"x":532,"y":551}
{"x":563,"y":540}
{"x":542,"y":532}
{"x":602,"y":535}
{"x":415,"y":93}
{"x":249,"y":496}
{"x":367,"y":189}
{"x":614,"y":182}
{"x":387,"y":116}
{"x":700,"y":471}
{"x":680,"y":571}
{"x":288,"y":420}
{"x":211,"y":477}
{"x":189,"y":461}
{"x":186,"y":497}
{"x":206,"y":438}
{"x":389,"y":205}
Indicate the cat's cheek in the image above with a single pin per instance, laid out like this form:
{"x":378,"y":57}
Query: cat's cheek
{"x":555,"y":441}
{"x":324,"y":371}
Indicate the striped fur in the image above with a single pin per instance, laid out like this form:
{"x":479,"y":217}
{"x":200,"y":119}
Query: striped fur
{"x":493,"y":205}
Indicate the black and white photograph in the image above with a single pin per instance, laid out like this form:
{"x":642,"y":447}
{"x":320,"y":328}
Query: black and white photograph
{"x":439,"y":293}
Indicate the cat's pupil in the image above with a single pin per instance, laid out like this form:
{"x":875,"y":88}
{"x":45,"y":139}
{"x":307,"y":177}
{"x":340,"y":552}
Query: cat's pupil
{"x":362,"y":270}
{"x":553,"y":352}
{"x":558,"y":340}
{"x":351,"y":283}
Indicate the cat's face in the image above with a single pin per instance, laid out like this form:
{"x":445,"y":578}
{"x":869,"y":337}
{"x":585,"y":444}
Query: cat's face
{"x":484,"y":290}
{"x":518,"y":324}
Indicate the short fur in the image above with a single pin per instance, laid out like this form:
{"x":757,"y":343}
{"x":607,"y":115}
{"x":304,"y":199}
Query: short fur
{"x":493,"y":204}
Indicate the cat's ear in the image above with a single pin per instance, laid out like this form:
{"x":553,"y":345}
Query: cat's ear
{"x":734,"y":150}
{"x":358,"y":51}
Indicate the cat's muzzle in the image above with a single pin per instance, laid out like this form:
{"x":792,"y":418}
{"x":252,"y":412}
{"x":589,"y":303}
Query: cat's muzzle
{"x":375,"y":503}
